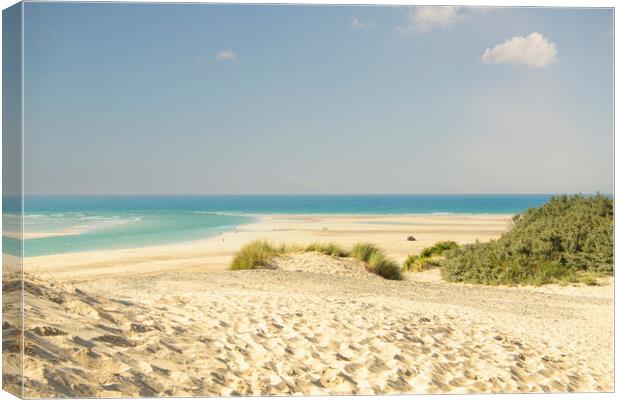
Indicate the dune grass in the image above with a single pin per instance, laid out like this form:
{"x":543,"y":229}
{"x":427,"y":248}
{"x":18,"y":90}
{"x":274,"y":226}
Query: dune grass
{"x":376,"y":261}
{"x":385,"y":267}
{"x":331,"y":249}
{"x":439,"y":248}
{"x":258,"y":253}
{"x":417,"y":263}
{"x":363,"y":251}
{"x":432,"y":256}
{"x":410,"y":264}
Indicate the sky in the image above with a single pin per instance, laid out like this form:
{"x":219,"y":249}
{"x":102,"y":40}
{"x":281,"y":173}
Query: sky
{"x":230,"y":99}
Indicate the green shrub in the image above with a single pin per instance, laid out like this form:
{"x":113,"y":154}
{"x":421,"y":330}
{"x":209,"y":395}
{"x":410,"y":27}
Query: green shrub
{"x":429,"y":256}
{"x":439,"y":248}
{"x":331,"y":249}
{"x":256,"y":254}
{"x":419,"y":263}
{"x":558,"y":242}
{"x":363,"y":251}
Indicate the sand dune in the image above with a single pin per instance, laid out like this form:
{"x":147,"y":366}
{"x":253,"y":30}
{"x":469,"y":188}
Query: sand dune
{"x":310,"y":324}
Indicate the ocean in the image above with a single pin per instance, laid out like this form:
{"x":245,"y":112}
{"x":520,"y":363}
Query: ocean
{"x":112,"y":222}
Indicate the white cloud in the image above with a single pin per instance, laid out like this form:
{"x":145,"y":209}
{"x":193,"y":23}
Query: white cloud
{"x":482,"y":10}
{"x":534,"y":50}
{"x":359,"y":24}
{"x":425,"y":19}
{"x":226,"y":55}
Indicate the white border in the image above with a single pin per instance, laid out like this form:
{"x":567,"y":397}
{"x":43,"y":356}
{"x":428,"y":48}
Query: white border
{"x":502,"y":3}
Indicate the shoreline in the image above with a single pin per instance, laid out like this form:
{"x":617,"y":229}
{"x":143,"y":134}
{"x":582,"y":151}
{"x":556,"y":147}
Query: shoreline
{"x":228,"y":228}
{"x":215,"y":252}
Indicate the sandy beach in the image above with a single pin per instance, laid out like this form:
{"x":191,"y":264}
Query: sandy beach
{"x":215,"y":253}
{"x":173,"y":321}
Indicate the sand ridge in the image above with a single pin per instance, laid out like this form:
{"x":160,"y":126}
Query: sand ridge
{"x":318,"y":263}
{"x":310,"y":324}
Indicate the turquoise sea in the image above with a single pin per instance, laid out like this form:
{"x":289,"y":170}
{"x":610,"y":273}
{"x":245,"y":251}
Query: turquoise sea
{"x":109,"y":222}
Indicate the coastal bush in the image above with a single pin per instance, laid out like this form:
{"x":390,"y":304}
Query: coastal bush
{"x":256,"y":254}
{"x":569,"y":239}
{"x":432,"y":256}
{"x":439,"y":248}
{"x":331,"y":249}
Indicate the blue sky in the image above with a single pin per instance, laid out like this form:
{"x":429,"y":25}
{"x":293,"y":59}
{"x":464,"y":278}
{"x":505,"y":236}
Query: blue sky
{"x":214,"y":99}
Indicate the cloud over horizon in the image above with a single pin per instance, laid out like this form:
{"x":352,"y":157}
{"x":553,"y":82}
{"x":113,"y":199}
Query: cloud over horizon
{"x":425,"y":19}
{"x":357,"y":23}
{"x":226,"y":55}
{"x":534,"y":50}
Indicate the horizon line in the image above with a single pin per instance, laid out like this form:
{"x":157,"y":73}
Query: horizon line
{"x":306,"y":194}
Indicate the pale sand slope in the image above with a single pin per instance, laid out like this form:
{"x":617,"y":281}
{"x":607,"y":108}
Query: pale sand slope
{"x":311,"y":324}
{"x":389,"y":232}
